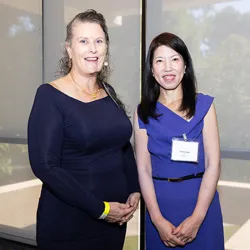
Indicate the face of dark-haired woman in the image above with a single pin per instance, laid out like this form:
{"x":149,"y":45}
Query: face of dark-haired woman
{"x":168,"y":68}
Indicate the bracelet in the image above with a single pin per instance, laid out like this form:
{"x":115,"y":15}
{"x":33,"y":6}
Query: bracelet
{"x":106,"y":211}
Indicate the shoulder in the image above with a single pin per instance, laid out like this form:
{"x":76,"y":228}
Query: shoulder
{"x":54,"y":87}
{"x":45,"y":89}
{"x":204,"y":103}
{"x":204,"y":98}
{"x":47,"y":95}
{"x":138,"y":120}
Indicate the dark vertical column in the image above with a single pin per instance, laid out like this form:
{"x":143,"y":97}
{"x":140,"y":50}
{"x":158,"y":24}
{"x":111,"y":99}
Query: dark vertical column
{"x":143,"y":60}
{"x":154,"y":22}
{"x":149,"y":29}
{"x":53,"y":36}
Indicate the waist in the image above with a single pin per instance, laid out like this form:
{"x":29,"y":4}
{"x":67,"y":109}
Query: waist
{"x":180,"y":179}
{"x":108,"y":161}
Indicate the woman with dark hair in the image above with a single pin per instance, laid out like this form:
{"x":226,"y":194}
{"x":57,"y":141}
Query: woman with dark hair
{"x":78,"y":140}
{"x":177,"y":152}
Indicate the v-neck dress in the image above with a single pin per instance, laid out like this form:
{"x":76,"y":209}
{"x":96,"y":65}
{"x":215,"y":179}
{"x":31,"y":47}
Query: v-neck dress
{"x":82,"y":154}
{"x":178,"y":200}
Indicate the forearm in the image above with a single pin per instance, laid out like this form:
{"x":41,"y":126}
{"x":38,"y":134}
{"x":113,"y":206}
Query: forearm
{"x":207,"y":191}
{"x":148,"y":192}
{"x":66,"y":188}
{"x":212,"y":164}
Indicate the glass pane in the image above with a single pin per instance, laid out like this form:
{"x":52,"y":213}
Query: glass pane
{"x":217,"y":35}
{"x":21,"y":60}
{"x":234,"y":189}
{"x":21,"y":73}
{"x":235,"y":170}
{"x":123,"y":19}
{"x":14,"y":164}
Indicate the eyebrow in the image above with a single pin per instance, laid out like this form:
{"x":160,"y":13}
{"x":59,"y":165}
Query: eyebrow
{"x":175,"y":55}
{"x":82,"y":37}
{"x":163,"y":56}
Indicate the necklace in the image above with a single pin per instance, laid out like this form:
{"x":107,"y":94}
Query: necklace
{"x":94,"y":94}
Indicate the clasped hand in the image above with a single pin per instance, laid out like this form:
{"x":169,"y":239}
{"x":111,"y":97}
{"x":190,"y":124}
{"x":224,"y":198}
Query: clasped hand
{"x":173,"y":236}
{"x":121,"y":213}
{"x":188,"y":229}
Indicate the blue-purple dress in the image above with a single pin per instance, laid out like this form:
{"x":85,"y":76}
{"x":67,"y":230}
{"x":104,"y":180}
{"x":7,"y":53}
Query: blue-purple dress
{"x":178,"y":200}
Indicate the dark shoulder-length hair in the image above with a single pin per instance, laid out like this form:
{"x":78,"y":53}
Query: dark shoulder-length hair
{"x":150,"y":87}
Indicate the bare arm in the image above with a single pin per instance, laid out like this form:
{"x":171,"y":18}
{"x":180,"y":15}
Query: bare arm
{"x":145,"y":171}
{"x":164,"y":227}
{"x":212,"y":164}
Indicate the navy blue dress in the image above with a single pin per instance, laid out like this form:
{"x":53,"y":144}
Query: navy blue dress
{"x":82,"y":154}
{"x":177,"y":200}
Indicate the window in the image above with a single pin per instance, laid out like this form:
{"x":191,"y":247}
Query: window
{"x":21,"y":74}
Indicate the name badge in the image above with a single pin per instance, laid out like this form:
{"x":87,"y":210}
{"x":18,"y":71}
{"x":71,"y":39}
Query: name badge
{"x":184,"y":150}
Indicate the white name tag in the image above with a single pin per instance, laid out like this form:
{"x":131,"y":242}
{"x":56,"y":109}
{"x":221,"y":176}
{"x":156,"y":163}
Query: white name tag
{"x":184,"y":150}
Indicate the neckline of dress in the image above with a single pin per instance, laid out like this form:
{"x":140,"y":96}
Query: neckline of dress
{"x":70,"y":97}
{"x":175,"y":114}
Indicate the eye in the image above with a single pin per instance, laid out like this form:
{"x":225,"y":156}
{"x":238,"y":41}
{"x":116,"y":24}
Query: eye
{"x":83,"y":41}
{"x":175,"y":59}
{"x":99,"y":41}
{"x":159,"y":60}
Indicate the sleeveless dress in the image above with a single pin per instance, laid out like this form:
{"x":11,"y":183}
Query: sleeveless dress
{"x":177,"y":200}
{"x":82,"y":154}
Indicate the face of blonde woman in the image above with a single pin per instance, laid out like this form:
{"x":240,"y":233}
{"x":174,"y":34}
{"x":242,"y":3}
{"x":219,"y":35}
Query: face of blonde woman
{"x":168,"y":68}
{"x":88,"y":48}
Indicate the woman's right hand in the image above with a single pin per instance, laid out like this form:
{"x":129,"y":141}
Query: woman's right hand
{"x":165,"y":230}
{"x":118,"y":211}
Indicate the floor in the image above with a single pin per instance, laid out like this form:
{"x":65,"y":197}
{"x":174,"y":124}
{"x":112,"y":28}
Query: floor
{"x":10,"y":245}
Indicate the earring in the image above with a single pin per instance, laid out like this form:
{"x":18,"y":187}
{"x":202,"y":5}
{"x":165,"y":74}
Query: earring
{"x":106,"y":64}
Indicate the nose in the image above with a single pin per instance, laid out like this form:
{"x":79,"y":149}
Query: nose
{"x":92,"y":47}
{"x":168,"y":65}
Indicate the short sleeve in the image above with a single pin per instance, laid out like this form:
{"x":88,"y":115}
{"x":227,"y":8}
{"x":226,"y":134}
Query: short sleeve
{"x":208,"y":102}
{"x":141,"y":124}
{"x":204,"y":103}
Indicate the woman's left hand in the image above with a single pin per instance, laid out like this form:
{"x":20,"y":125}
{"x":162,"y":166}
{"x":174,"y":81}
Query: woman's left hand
{"x":188,"y":229}
{"x":132,"y":201}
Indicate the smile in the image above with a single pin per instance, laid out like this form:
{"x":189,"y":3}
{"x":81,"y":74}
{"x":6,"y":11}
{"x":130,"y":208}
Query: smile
{"x":169,"y":77}
{"x":91,"y":59}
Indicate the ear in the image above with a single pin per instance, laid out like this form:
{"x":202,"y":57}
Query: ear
{"x":69,"y":50}
{"x":152,"y":72}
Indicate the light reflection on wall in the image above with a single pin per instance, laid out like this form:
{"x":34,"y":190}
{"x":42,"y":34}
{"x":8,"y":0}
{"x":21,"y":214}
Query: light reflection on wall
{"x":118,"y":20}
{"x":25,"y":24}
